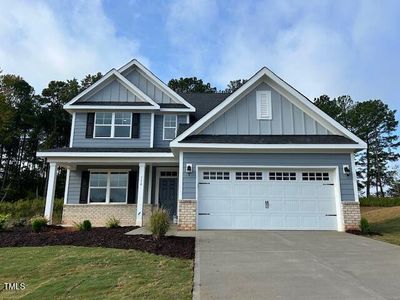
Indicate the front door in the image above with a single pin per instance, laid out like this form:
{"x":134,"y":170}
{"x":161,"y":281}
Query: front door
{"x":168,"y":195}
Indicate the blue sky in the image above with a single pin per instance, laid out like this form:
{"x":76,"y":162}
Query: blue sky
{"x":320,"y":47}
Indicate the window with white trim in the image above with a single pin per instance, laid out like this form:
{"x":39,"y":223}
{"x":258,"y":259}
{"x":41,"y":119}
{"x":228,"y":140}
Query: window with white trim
{"x":113,"y":125}
{"x":315,"y":176}
{"x":248,"y":176}
{"x":169,"y":125}
{"x":264,"y":105}
{"x":278,"y":176}
{"x":168,"y":174}
{"x":211,"y":175}
{"x":108,"y":187}
{"x":122,"y":124}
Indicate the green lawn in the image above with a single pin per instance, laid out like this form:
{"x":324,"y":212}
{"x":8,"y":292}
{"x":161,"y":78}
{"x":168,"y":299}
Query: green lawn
{"x":385,"y":221}
{"x":59,"y":272}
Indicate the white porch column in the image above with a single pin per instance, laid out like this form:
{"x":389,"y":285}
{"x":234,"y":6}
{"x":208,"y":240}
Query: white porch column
{"x":140,"y":197}
{"x":51,"y":189}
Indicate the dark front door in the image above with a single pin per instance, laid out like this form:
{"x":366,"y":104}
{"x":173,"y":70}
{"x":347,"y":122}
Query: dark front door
{"x":168,"y":195}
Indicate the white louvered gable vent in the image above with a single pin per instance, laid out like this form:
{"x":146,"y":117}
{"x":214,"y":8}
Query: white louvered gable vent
{"x":264,"y":107}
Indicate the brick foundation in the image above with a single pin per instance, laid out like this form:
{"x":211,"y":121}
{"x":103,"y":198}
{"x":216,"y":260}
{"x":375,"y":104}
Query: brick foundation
{"x":98,"y":214}
{"x":351,"y":214}
{"x":187,"y":215}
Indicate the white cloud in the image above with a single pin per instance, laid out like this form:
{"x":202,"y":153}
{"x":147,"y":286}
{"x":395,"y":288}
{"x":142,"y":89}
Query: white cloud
{"x":190,"y":26}
{"x":42,"y":42}
{"x":319,"y":47}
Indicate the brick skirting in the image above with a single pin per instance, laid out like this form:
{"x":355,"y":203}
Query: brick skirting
{"x":98,"y":214}
{"x":351,"y":214}
{"x":187,"y":215}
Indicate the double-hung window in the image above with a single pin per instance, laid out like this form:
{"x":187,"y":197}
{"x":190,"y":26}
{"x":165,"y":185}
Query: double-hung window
{"x":122,"y":124}
{"x":114,"y":125}
{"x":170,"y":124}
{"x":108,"y":187}
{"x":103,"y":124}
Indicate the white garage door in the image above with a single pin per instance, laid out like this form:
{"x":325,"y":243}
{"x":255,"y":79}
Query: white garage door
{"x":266,"y":199}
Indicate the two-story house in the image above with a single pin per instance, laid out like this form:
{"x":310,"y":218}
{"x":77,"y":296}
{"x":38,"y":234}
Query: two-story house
{"x":263,"y":157}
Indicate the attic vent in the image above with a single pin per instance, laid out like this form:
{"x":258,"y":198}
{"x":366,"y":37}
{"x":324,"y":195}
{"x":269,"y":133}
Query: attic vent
{"x":264,"y":107}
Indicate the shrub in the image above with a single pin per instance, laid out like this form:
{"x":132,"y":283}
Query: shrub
{"x":381,"y":202}
{"x":38,"y":223}
{"x":84,"y":226}
{"x":159,"y":223}
{"x":3,"y":220}
{"x":364,"y":226}
{"x":19,"y":222}
{"x":29,"y":208}
{"x":112,"y":222}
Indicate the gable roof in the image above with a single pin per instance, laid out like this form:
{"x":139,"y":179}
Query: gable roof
{"x":157,"y":82}
{"x":98,"y":85}
{"x":204,"y":102}
{"x":284,"y":88}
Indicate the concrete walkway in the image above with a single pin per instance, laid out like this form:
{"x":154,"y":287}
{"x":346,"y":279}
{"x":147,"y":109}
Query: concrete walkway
{"x":294,"y":265}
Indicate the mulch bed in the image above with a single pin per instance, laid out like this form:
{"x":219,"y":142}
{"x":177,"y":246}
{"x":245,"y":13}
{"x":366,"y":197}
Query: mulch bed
{"x":180,"y":247}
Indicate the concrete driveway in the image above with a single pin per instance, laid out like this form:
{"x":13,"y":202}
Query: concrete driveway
{"x":294,"y":265}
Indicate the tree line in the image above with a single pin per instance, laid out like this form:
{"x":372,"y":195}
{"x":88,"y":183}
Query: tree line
{"x":30,"y":122}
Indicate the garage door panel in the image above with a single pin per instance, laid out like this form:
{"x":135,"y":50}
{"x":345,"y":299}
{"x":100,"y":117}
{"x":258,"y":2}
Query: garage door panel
{"x":215,"y":222}
{"x":241,"y":205}
{"x":270,"y":203}
{"x":241,"y":221}
{"x":213,"y":190}
{"x":291,"y":189}
{"x":292,"y":206}
{"x":241,"y":190}
{"x":277,"y":221}
{"x":260,"y":222}
{"x":310,"y":222}
{"x":327,"y":222}
{"x":276,"y":205}
{"x":216,"y":205}
{"x":325,"y":206}
{"x":309,"y":206}
{"x":292,"y":221}
{"x":257,"y":189}
{"x":257,"y":205}
{"x":275,"y":190}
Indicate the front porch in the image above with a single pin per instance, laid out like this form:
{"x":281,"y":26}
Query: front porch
{"x":129,"y":189}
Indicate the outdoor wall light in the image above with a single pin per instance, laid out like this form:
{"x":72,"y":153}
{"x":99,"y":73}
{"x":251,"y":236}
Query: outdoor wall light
{"x":346,"y":170}
{"x":188,"y":168}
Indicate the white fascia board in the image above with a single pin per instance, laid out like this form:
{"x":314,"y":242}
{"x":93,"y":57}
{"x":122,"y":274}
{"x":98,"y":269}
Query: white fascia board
{"x":266,"y":146}
{"x":103,"y":154}
{"x":175,"y":110}
{"x":91,"y":88}
{"x":72,"y":162}
{"x":126,"y":83}
{"x":244,"y":88}
{"x":109,"y":107}
{"x":171,"y":93}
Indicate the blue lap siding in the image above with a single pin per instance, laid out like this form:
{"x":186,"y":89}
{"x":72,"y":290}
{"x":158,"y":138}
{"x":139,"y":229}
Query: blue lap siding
{"x":269,"y":159}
